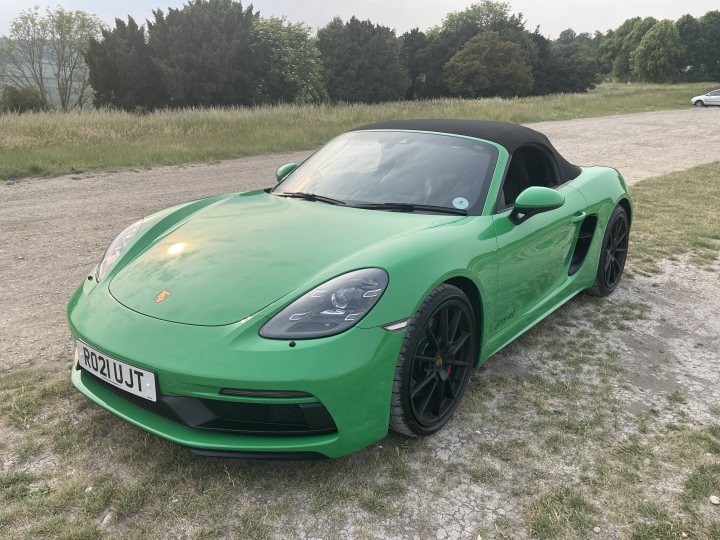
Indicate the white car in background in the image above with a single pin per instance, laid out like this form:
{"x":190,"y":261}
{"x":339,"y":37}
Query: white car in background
{"x":711,"y":98}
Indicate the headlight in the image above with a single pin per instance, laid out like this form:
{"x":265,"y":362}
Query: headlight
{"x":116,"y":249}
{"x":331,"y":308}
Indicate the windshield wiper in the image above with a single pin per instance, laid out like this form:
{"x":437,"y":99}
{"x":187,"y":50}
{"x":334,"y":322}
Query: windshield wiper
{"x":411,"y":207}
{"x":311,"y":197}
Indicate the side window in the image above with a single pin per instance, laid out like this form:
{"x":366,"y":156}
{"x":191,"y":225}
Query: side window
{"x":715,"y":93}
{"x":529,"y":166}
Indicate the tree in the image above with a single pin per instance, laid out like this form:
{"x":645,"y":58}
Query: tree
{"x":48,"y":48}
{"x":413,"y":45}
{"x":658,"y":56}
{"x":459,"y":27}
{"x":210,"y":52}
{"x":293,"y":60}
{"x":545,"y":76}
{"x":206,"y":54}
{"x":709,"y":45}
{"x":361,"y":61}
{"x":570,"y":37}
{"x":489,"y":65}
{"x":621,"y":64}
{"x":567,"y":36}
{"x":22,"y":58}
{"x":689,"y":31}
{"x":20,"y":100}
{"x":569,"y":64}
{"x":69,"y":35}
{"x":485,"y":15}
{"x":430,"y":81}
{"x":577,"y":66}
{"x":613,"y":42}
{"x":566,"y":67}
{"x":122,"y":70}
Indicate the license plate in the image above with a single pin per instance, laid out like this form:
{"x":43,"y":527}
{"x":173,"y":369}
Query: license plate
{"x":132,"y":379}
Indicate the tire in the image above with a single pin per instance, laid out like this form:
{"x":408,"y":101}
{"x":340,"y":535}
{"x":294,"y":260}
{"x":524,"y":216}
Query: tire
{"x":613,"y":254}
{"x":434,"y":365}
{"x":699,"y":103}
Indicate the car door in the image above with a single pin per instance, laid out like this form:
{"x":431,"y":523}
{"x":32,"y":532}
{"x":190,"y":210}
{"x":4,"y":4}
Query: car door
{"x":533,"y":256}
{"x":713,"y":98}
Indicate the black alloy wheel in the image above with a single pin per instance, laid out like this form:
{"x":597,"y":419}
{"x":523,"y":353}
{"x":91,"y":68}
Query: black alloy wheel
{"x":434,"y":366}
{"x":614,"y":253}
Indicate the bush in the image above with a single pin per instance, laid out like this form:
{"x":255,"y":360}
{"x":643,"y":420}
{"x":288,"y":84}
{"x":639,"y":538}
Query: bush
{"x":487,"y":66}
{"x":20,"y":100}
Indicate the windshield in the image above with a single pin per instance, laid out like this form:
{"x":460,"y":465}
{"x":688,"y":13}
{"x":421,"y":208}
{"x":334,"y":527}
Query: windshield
{"x":382,"y":167}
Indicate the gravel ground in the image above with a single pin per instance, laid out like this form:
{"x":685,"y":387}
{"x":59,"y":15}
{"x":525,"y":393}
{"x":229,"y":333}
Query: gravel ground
{"x":481,"y":475}
{"x":55,"y":229}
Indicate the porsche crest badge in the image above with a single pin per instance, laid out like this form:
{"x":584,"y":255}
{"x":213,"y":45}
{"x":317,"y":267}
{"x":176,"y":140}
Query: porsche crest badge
{"x":162,"y":296}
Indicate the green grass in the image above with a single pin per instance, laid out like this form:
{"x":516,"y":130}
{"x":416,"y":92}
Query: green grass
{"x":666,"y":529}
{"x":49,"y":144}
{"x":562,"y":513}
{"x":14,"y":486}
{"x":677,"y":397}
{"x":702,"y":483}
{"x":676,"y":214}
{"x":485,"y":474}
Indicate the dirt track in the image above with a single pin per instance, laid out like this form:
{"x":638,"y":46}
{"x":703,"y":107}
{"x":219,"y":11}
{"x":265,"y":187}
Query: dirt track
{"x":54,"y":230}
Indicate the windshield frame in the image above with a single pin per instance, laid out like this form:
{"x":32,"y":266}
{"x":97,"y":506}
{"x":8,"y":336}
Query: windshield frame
{"x":476,"y":209}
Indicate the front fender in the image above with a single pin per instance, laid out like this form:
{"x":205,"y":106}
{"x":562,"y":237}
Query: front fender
{"x":464,"y":249}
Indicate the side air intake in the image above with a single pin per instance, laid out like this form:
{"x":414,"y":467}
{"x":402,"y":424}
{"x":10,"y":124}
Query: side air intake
{"x":585,"y":236}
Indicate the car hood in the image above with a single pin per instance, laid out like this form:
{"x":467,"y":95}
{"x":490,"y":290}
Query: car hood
{"x":229,"y":260}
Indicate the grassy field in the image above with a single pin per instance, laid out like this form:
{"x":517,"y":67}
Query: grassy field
{"x":684,"y":206}
{"x":545,"y":432}
{"x":49,"y":144}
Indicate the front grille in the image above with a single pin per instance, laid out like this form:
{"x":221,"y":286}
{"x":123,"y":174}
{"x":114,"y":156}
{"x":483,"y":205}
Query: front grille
{"x":233,"y":416}
{"x":263,"y":393}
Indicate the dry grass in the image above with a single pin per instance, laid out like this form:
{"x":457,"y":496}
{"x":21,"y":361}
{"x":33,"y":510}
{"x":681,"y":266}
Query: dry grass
{"x":49,"y":144}
{"x":683,"y":206}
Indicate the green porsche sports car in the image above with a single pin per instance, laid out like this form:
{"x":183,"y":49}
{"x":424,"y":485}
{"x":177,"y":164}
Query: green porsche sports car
{"x":354,"y":296}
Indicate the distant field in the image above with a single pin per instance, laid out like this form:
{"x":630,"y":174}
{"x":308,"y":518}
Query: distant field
{"x":49,"y":144}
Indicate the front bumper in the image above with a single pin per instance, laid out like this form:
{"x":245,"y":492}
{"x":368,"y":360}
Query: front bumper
{"x":350,"y":375}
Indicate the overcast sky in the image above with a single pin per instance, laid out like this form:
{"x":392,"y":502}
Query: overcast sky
{"x":551,"y":15}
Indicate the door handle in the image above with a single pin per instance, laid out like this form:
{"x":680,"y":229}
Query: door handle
{"x":577,"y":217}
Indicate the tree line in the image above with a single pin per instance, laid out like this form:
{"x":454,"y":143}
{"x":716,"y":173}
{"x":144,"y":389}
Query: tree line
{"x":42,"y":61}
{"x":218,"y":52}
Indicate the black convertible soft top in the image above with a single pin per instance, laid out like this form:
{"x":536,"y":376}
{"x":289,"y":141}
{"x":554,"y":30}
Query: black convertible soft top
{"x":510,"y":136}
